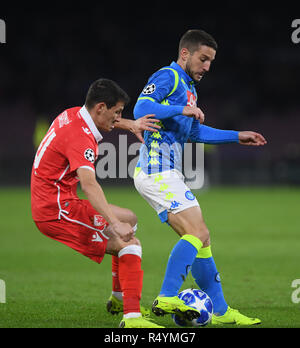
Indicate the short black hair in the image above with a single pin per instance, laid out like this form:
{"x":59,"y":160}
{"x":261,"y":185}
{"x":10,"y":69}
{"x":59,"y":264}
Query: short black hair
{"x":194,"y":38}
{"x":106,"y":91}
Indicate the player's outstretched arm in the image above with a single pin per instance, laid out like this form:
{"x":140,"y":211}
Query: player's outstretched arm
{"x":251,"y":138}
{"x":208,"y":135}
{"x":146,"y":123}
{"x":96,"y":197}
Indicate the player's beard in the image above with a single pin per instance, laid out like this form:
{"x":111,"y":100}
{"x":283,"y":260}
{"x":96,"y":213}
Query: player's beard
{"x":190,"y":72}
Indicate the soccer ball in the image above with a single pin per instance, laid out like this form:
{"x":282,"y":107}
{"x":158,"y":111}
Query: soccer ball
{"x":199,"y":300}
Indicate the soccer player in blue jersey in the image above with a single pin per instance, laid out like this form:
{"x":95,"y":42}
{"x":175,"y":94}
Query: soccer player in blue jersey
{"x":170,"y":94}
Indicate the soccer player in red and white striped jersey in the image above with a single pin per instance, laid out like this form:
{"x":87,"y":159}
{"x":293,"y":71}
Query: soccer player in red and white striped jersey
{"x":92,"y":227}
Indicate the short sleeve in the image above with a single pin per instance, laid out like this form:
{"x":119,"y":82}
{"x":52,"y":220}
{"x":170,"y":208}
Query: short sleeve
{"x":81,"y":152}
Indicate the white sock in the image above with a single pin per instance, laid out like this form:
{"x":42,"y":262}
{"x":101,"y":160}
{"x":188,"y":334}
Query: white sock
{"x":132,"y":315}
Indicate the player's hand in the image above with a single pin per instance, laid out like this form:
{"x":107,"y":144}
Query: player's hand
{"x":146,"y":123}
{"x":123,"y":230}
{"x":195,"y":112}
{"x":251,"y":138}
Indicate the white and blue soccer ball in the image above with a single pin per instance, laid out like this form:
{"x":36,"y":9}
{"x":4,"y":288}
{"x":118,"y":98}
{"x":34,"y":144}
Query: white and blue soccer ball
{"x":199,"y":300}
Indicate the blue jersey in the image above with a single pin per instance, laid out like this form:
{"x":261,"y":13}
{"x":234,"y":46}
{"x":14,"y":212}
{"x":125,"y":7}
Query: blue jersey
{"x":166,"y":94}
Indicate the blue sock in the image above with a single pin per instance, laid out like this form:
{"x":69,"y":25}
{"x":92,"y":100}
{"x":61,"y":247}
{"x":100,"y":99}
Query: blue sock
{"x":207,"y":278}
{"x":180,"y":262}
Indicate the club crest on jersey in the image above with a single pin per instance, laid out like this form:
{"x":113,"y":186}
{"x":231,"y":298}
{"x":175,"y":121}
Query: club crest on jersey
{"x":189,"y":195}
{"x":149,"y":89}
{"x":89,"y":154}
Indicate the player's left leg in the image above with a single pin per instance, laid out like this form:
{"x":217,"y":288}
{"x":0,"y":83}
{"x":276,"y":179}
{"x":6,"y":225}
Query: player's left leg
{"x":115,"y":301}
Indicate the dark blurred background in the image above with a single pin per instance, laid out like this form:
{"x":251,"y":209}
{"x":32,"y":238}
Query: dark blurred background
{"x":52,"y":55}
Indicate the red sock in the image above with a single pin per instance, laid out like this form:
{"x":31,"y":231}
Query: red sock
{"x":116,"y":286}
{"x":131,"y":278}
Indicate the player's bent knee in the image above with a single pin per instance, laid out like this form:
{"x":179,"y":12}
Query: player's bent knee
{"x":206,"y":242}
{"x":116,"y":244}
{"x":201,"y":231}
{"x":197,"y":229}
{"x":132,"y":241}
{"x":204,"y":235}
{"x":132,"y":218}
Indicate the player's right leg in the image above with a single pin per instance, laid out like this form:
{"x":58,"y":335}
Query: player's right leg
{"x":191,"y":222}
{"x":131,"y":278}
{"x":167,"y":192}
{"x":194,"y":235}
{"x":115,"y":301}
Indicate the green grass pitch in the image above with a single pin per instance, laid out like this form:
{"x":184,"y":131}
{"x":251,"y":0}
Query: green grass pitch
{"x":255,"y":243}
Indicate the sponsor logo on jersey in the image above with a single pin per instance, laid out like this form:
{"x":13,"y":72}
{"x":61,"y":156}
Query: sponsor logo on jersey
{"x":63,"y":119}
{"x":191,"y":99}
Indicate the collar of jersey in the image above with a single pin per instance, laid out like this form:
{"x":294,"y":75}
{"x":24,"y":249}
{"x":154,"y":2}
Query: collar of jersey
{"x":89,"y":121}
{"x":178,"y":68}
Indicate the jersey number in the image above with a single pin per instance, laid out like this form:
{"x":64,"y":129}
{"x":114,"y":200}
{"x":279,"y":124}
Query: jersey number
{"x":43,"y":146}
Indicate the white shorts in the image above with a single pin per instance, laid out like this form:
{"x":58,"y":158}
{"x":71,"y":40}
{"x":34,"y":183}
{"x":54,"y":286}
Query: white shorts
{"x":165,"y":192}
